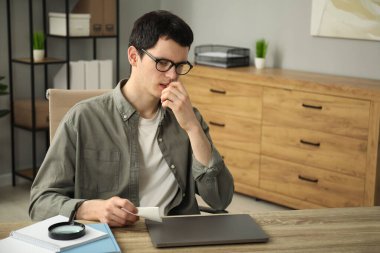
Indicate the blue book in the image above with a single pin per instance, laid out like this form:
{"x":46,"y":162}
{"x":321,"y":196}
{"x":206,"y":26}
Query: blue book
{"x":105,"y":245}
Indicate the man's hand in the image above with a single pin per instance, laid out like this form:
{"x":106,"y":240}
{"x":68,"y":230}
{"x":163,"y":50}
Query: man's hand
{"x":115,"y":211}
{"x":176,"y":98}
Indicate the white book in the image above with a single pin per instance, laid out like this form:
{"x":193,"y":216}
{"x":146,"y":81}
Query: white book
{"x":59,"y":80}
{"x":13,"y":245}
{"x":91,"y":75}
{"x":38,"y":235}
{"x":77,"y":77}
{"x":105,"y":74}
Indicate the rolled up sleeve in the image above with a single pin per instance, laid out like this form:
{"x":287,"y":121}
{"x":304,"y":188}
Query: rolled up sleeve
{"x":214,"y":182}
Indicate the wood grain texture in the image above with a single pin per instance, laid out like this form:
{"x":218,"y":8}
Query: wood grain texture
{"x":244,"y":166}
{"x":224,"y":97}
{"x":331,"y":152}
{"x":329,"y":124}
{"x":310,"y":184}
{"x":232,"y":131}
{"x":330,"y":114}
{"x":313,"y":230}
{"x":372,"y":180}
{"x":342,"y":86}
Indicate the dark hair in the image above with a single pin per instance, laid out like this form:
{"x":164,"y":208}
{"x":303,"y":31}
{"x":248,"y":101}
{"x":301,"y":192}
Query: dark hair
{"x":148,"y":29}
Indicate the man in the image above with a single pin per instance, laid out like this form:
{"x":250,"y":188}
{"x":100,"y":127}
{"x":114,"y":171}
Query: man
{"x":143,"y":144}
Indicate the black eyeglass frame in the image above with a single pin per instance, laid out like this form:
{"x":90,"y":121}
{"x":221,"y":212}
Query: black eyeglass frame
{"x":176,"y":65}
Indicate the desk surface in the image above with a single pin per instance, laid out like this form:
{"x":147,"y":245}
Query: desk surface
{"x":314,"y":230}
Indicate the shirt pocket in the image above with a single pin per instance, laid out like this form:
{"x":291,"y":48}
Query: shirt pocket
{"x":100,"y":170}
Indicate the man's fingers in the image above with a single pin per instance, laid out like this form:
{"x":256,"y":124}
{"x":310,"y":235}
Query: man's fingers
{"x":120,"y":212}
{"x":124,"y":203}
{"x":167,"y":103}
{"x":124,"y":218}
{"x":179,"y":86}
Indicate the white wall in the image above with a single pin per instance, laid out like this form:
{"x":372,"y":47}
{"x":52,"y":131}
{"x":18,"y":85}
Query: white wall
{"x":285,"y":24}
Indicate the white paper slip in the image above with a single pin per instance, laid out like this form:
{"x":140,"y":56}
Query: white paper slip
{"x":151,"y":213}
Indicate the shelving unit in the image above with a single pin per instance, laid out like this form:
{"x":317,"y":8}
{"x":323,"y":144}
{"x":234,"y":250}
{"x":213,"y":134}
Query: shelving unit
{"x":30,"y":173}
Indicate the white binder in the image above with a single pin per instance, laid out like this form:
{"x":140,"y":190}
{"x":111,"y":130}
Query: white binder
{"x":91,"y":69}
{"x":105,"y":74}
{"x":77,"y":77}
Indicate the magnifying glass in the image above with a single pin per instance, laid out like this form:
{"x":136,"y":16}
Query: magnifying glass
{"x":67,"y":230}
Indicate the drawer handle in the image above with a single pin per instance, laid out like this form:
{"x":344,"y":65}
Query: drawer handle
{"x":218,"y":91}
{"x":315,"y":144}
{"x":217,"y":124}
{"x":308,"y":179}
{"x":316,"y":107}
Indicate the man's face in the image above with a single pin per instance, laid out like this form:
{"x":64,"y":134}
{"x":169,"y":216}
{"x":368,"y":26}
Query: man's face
{"x":152,"y":81}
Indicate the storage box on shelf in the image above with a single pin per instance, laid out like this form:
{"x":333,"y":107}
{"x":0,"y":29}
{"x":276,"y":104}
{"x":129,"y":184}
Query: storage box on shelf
{"x":79,"y":24}
{"x":103,"y":15}
{"x":303,"y":140}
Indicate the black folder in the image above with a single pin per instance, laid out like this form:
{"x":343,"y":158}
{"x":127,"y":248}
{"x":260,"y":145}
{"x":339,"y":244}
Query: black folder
{"x":194,"y":230}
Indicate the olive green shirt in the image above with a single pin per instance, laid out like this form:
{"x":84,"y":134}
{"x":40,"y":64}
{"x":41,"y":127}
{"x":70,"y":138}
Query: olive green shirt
{"x":95,"y":155}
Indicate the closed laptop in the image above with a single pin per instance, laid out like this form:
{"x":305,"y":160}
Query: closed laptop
{"x":194,"y":230}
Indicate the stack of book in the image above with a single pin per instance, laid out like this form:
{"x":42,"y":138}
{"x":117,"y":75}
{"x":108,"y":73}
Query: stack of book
{"x":35,"y":239}
{"x":85,"y":75}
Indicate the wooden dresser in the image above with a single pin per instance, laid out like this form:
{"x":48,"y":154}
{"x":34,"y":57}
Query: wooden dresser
{"x":299,"y":139}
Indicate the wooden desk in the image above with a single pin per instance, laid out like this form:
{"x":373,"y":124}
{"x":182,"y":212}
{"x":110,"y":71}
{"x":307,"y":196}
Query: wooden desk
{"x":314,"y":230}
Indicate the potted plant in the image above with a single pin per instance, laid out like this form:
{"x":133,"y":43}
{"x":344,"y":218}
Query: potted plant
{"x":261,"y":52}
{"x":38,"y":46}
{"x":3,"y":91}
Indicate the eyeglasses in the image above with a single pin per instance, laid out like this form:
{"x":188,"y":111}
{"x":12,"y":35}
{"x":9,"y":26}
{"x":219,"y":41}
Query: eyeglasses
{"x":163,"y":65}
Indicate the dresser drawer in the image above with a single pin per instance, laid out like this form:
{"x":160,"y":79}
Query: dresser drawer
{"x":244,"y":166}
{"x":224,"y":97}
{"x":233,"y":132}
{"x":310,"y":184}
{"x":332,"y":152}
{"x":336,"y":115}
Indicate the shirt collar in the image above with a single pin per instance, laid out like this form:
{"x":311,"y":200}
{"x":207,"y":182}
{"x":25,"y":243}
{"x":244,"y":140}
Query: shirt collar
{"x":125,"y":108}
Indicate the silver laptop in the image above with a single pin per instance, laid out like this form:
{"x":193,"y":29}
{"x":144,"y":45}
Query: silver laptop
{"x":194,"y":230}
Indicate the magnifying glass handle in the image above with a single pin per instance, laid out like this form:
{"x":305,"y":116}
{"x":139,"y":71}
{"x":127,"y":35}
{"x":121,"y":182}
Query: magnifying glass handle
{"x":74,"y":212}
{"x":72,"y":216}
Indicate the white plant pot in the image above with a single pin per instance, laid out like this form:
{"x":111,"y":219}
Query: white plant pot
{"x":38,"y":54}
{"x":260,"y":63}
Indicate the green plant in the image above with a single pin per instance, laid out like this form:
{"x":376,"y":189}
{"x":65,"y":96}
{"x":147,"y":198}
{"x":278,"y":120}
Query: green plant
{"x":3,"y":91}
{"x":261,"y":48}
{"x":38,"y":40}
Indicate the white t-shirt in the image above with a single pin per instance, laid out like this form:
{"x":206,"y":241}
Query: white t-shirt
{"x":157,"y":184}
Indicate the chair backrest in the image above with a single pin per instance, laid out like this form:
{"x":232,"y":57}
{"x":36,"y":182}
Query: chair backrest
{"x":60,"y":101}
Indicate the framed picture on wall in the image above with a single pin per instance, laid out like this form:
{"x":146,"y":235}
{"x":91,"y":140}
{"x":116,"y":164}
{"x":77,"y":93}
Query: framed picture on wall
{"x":355,"y":19}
